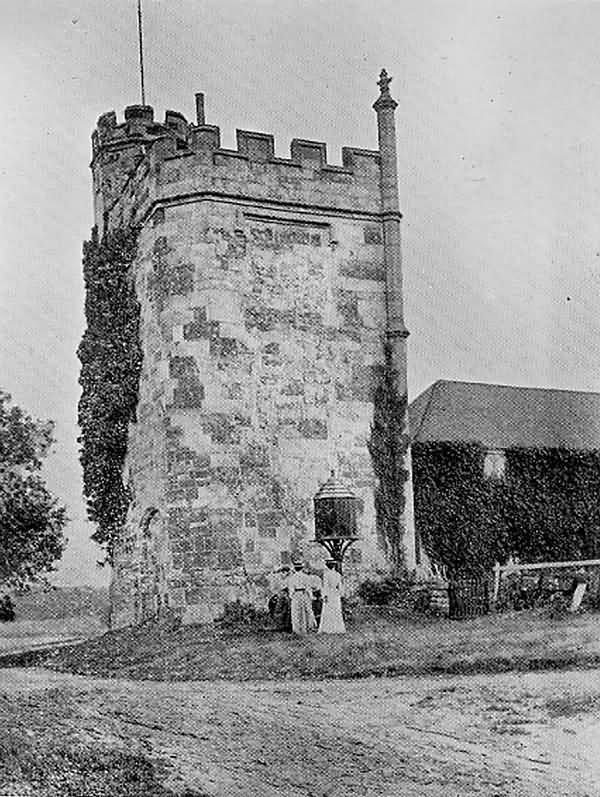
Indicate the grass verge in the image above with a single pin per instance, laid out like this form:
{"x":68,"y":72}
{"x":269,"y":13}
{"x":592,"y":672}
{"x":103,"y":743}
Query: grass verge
{"x":378,"y":643}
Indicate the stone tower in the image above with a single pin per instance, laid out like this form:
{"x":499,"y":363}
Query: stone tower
{"x":268,"y":287}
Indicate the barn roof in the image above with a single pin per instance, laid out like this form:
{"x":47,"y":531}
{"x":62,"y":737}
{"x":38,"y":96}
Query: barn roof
{"x":504,"y":416}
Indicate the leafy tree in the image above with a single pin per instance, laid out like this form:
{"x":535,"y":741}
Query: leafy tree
{"x":31,"y":519}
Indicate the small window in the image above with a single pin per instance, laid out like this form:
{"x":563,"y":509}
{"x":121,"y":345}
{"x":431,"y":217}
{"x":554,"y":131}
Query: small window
{"x":494,"y":465}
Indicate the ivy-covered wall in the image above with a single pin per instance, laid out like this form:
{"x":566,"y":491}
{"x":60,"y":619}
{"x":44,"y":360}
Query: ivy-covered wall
{"x":388,"y":447}
{"x":546,"y":508}
{"x":111,"y":359}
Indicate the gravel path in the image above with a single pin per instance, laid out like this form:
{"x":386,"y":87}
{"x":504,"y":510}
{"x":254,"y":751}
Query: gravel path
{"x":503,"y":735}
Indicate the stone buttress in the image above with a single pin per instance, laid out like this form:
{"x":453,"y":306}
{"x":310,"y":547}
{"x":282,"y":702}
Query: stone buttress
{"x":262,"y":284}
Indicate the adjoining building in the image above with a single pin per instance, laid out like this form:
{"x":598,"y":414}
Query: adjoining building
{"x":500,"y":470}
{"x":268,"y":289}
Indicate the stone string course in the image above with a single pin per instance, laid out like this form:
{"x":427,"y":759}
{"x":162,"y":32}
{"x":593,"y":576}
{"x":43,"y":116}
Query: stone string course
{"x":261,"y":282}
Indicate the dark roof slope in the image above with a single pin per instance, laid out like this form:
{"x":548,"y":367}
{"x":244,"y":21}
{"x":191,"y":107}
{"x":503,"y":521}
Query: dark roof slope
{"x":503,"y":416}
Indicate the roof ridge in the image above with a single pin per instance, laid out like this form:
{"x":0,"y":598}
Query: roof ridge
{"x":517,"y":387}
{"x":505,"y":416}
{"x":434,"y":388}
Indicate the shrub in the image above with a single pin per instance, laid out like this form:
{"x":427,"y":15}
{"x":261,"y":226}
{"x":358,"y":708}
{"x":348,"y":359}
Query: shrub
{"x":7,"y":610}
{"x":235,"y":613}
{"x":381,"y":592}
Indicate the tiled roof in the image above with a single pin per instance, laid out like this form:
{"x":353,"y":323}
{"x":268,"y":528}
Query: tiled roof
{"x":504,"y":416}
{"x":333,"y":488}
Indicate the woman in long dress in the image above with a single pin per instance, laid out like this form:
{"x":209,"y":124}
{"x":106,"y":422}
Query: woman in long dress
{"x":332,"y":620}
{"x":299,"y":585}
{"x":279,"y":602}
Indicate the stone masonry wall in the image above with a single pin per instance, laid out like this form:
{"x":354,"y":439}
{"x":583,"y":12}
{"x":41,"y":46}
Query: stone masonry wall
{"x":263,"y":312}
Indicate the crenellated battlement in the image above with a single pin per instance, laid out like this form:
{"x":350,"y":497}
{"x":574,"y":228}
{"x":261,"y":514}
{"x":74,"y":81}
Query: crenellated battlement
{"x":140,"y":127}
{"x":139,"y":161}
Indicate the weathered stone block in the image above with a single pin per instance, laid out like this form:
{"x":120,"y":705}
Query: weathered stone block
{"x":347,"y":304}
{"x":267,"y":318}
{"x":224,"y":428}
{"x":373,"y":235}
{"x":200,"y":328}
{"x":189,"y":393}
{"x":268,"y":522}
{"x":362,"y":385}
{"x":254,"y":456}
{"x":313,"y":428}
{"x":179,"y":280}
{"x":226,"y":347}
{"x":250,"y":519}
{"x":363,"y":269}
{"x":293,"y":388}
{"x":267,"y":531}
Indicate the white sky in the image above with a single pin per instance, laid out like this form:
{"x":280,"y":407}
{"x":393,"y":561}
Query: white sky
{"x":498,"y":147}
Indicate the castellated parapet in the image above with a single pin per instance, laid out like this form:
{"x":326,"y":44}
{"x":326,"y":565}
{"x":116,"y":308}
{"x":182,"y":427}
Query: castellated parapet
{"x":263,"y":317}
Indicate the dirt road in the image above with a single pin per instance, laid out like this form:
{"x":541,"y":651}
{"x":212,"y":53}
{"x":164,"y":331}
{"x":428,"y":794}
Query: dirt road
{"x":503,"y":735}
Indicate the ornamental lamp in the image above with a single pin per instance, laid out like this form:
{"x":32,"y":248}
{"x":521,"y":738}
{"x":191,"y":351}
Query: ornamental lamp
{"x":336,"y":510}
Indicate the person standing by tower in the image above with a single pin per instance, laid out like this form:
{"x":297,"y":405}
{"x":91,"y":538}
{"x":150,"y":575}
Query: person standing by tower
{"x":332,"y":619}
{"x":299,"y":586}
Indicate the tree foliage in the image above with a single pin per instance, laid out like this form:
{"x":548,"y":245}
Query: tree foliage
{"x":546,"y":507}
{"x":31,"y":519}
{"x":388,"y":447}
{"x":111,"y":360}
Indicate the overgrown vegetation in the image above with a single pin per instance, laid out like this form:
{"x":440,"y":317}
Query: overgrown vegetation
{"x":546,"y":507}
{"x":388,"y":447}
{"x":31,"y":519}
{"x":111,"y":361}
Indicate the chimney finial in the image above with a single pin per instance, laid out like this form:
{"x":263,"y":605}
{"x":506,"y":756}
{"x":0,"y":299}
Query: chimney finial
{"x":385,"y":99}
{"x":384,"y":81}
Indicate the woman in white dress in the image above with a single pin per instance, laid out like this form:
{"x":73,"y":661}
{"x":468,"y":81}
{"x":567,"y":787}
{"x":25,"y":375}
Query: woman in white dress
{"x":332,"y":620}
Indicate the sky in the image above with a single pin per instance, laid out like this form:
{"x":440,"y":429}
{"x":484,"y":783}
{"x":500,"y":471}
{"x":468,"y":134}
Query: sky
{"x":498,"y":144}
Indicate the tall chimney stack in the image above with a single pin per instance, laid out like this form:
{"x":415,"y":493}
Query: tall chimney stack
{"x":396,"y":332}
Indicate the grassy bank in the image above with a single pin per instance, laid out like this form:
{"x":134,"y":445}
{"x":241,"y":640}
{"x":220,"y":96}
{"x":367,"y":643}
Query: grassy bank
{"x":377,"y":643}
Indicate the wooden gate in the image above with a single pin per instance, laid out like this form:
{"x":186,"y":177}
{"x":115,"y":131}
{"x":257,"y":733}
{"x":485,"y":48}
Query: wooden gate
{"x":469,"y":596}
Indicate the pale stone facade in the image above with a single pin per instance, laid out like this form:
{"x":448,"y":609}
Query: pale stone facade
{"x":262,"y":284}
